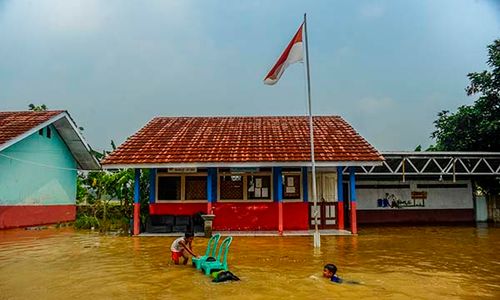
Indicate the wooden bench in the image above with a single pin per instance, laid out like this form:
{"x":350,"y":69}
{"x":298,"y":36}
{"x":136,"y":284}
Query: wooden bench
{"x":420,"y":196}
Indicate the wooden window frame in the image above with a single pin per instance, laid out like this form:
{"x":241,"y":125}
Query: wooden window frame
{"x":183,"y":187}
{"x":245,"y":187}
{"x":301,"y":197}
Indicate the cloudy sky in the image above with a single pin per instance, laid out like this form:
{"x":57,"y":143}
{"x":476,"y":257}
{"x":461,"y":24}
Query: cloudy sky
{"x":387,"y":67}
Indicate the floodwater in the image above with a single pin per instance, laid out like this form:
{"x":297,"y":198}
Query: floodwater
{"x":390,"y":263}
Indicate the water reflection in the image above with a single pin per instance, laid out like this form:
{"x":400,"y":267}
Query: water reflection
{"x":402,"y":262}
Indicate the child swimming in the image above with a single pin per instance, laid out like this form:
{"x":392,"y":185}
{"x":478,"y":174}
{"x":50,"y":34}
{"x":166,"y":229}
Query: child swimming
{"x":330,"y":271}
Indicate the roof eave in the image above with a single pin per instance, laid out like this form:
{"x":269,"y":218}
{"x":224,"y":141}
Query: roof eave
{"x":243,"y":164}
{"x":68,"y":131}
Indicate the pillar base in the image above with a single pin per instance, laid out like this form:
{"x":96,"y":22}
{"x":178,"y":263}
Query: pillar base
{"x":340,"y":218}
{"x":137,"y":221}
{"x":280,"y":218}
{"x":354,"y":224}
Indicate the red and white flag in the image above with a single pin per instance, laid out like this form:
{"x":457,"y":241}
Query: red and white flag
{"x":293,"y":53}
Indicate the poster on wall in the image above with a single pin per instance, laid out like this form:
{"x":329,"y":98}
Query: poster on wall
{"x":265,"y":192}
{"x":392,"y":201}
{"x":258,"y":182}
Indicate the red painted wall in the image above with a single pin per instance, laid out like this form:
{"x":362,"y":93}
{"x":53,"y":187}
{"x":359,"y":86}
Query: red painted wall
{"x":32,"y":215}
{"x":242,"y":216}
{"x":415,"y":216}
{"x":296,"y":216}
{"x":177,"y":208}
{"x":246,"y":216}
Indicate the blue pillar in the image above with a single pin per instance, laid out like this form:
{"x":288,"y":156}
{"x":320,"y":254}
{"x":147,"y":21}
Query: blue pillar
{"x":278,"y":184}
{"x":211,"y":188}
{"x":212,"y":184}
{"x":352,"y":184}
{"x":305,"y":187}
{"x":152,"y":186}
{"x":340,"y":198}
{"x":137,"y":205}
{"x":352,"y":191}
{"x":137,"y":185}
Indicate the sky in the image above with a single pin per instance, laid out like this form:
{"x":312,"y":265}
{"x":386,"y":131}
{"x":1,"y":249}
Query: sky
{"x":387,"y":67}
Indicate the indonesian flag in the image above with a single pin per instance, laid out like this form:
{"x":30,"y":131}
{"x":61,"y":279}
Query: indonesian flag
{"x":293,"y":53}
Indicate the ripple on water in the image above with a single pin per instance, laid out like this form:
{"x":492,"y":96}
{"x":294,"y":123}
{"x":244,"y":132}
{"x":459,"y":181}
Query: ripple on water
{"x":414,"y":262}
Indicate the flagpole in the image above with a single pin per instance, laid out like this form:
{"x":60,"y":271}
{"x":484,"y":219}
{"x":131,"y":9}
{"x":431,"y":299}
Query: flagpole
{"x":317,"y":237}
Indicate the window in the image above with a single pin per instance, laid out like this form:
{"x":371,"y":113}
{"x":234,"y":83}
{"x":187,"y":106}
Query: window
{"x":244,"y":185}
{"x":169,"y":188}
{"x":40,"y":132}
{"x":231,"y":187}
{"x":291,"y":186}
{"x":49,"y":133}
{"x":259,"y":187}
{"x":196,"y":188}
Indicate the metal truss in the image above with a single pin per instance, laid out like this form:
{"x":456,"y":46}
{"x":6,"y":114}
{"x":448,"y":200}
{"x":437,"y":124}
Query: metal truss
{"x":434,"y":163}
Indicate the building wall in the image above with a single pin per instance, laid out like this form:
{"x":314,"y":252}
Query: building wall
{"x":242,"y":215}
{"x":40,"y":174}
{"x":391,"y":201}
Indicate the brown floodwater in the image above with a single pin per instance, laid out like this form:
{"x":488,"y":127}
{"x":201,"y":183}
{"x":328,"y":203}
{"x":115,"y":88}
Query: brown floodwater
{"x":390,"y":263}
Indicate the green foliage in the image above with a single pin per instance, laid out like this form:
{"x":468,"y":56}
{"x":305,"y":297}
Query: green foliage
{"x":474,"y":127}
{"x":108,"y":197}
{"x":33,"y":107}
{"x":86,"y":222}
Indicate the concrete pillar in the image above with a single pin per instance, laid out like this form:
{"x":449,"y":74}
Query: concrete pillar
{"x":278,"y":188}
{"x":340,"y":199}
{"x":352,"y":191}
{"x":211,"y":188}
{"x":137,"y":204}
{"x":152,"y":186}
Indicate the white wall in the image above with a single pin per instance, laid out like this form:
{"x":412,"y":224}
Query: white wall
{"x":437,"y":198}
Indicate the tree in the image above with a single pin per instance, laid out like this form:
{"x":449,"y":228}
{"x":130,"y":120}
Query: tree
{"x":33,"y":107}
{"x":474,"y":127}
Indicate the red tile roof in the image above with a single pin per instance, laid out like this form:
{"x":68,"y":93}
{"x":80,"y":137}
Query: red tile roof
{"x":177,"y":140}
{"x":15,"y":123}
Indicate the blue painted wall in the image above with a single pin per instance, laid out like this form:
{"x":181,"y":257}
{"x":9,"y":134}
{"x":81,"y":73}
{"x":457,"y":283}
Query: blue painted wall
{"x":29,"y":180}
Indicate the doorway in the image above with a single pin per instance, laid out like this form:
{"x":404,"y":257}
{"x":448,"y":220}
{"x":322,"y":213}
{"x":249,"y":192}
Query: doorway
{"x":326,"y":184}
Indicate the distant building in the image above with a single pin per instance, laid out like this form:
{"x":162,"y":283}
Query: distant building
{"x":40,"y":153}
{"x":426,"y":188}
{"x":253,"y":173}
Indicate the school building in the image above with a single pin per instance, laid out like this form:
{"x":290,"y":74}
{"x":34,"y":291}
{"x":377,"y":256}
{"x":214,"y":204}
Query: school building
{"x":252,"y":173}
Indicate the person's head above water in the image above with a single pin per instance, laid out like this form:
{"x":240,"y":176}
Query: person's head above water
{"x":329,"y":270}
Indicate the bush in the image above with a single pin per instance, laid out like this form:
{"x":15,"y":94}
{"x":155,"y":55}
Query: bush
{"x":86,"y":222}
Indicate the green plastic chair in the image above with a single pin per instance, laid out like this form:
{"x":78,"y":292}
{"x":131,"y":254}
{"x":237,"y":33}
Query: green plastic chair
{"x":218,"y":264}
{"x":210,"y":252}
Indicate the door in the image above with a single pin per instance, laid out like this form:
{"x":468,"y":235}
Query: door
{"x":326,"y":184}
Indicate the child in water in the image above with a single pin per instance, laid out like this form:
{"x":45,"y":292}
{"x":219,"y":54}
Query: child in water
{"x":180,"y":246}
{"x":329,"y":271}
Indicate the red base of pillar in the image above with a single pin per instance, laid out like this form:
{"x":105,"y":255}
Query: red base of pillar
{"x":354,"y":223}
{"x":280,"y":218}
{"x":341,"y":215}
{"x":137,"y":210}
{"x":209,"y":208}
